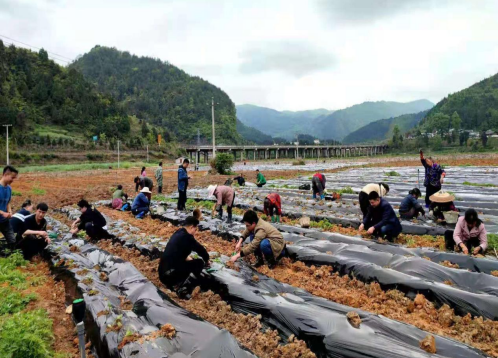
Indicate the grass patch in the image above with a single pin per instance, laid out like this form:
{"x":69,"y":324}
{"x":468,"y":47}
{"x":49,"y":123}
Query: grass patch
{"x":322,"y":224}
{"x":478,"y":184}
{"x":13,"y":301}
{"x":192,"y":204}
{"x":80,"y":166}
{"x":284,"y":186}
{"x":393,"y":173}
{"x":493,"y":242}
{"x":26,"y":335}
{"x":16,"y":193}
{"x":38,"y":191}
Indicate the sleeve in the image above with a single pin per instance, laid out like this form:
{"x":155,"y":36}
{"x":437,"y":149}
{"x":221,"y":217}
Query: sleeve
{"x":367,"y":217}
{"x":386,"y":215}
{"x":457,"y":234}
{"x":422,"y":159}
{"x":483,"y":237}
{"x":136,"y":186}
{"x":182,"y":175}
{"x":249,"y":249}
{"x":201,"y":250}
{"x":245,"y":234}
{"x":417,"y":205}
{"x":219,"y":198}
{"x":279,"y":205}
{"x":83,"y":219}
{"x":265,"y":210}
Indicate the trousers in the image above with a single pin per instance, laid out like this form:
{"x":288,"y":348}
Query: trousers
{"x":179,"y":273}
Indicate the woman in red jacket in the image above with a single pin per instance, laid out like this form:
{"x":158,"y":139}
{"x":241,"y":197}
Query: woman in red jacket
{"x":273,"y":203}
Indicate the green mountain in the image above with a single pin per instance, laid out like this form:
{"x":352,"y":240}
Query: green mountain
{"x":160,"y":93}
{"x":35,"y":92}
{"x":286,"y":124}
{"x":476,"y":105}
{"x":342,"y":122}
{"x":253,"y":135}
{"x":383,"y":129}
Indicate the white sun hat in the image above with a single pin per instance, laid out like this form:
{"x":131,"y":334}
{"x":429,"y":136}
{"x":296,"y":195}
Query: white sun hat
{"x":146,"y":190}
{"x":211,"y":189}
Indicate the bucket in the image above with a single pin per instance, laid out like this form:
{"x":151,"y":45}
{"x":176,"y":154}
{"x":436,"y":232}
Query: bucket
{"x":451,"y":217}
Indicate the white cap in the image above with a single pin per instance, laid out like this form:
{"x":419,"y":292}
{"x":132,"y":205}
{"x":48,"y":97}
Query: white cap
{"x":146,"y":190}
{"x":211,"y":189}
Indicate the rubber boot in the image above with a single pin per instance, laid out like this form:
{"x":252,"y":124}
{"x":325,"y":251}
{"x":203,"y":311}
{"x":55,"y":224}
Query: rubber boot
{"x":272,"y":263}
{"x":273,"y":219}
{"x":322,"y":196}
{"x":314,"y":196}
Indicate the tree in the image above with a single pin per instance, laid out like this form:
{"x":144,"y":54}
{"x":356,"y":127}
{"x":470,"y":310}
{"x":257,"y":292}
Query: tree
{"x":484,"y":138}
{"x":456,"y":121}
{"x":145,"y":129}
{"x":43,"y":55}
{"x":222,"y":163}
{"x":464,"y":136}
{"x":441,"y":123}
{"x":396,"y":134}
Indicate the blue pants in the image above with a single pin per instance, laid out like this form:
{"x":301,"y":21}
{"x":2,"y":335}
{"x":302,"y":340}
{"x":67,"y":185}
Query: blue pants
{"x":266,"y":250}
{"x":144,"y":209}
{"x":390,"y":232}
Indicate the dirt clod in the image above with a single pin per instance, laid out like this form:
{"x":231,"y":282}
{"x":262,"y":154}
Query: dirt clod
{"x":354,"y":319}
{"x":419,"y":300}
{"x":494,"y":273}
{"x":428,"y":344}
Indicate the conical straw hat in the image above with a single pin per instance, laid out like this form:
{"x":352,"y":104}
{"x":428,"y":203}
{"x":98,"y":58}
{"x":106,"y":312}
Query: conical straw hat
{"x":441,"y":197}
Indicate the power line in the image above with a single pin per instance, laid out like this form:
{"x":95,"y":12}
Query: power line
{"x":38,"y":48}
{"x":49,"y":56}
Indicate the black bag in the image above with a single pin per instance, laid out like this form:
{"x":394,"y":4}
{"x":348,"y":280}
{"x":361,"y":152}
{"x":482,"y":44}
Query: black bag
{"x":305,"y":187}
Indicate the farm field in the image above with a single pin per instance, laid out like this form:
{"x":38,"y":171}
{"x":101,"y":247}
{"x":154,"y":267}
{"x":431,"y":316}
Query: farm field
{"x":338,"y":294}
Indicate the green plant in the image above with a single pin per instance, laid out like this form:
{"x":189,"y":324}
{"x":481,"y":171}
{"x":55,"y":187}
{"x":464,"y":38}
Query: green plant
{"x":322,"y":224}
{"x":38,"y":191}
{"x":479,"y":184}
{"x":345,"y":190}
{"x":493,"y":241}
{"x":393,"y":173}
{"x":222,"y":163}
{"x":299,"y":162}
{"x":13,"y":301}
{"x":16,"y":193}
{"x":27,"y":335}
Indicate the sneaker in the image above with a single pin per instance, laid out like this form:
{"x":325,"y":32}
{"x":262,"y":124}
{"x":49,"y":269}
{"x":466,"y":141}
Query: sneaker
{"x":183,"y":293}
{"x":260,"y":262}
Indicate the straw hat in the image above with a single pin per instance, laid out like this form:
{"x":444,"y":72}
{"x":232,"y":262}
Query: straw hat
{"x":442,"y":197}
{"x":146,"y":190}
{"x":211,"y":189}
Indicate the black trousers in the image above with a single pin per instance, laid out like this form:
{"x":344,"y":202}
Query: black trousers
{"x":229,"y":209}
{"x":159,"y":189}
{"x":450,"y":242}
{"x":410,"y":214}
{"x":179,"y":274}
{"x":260,"y":185}
{"x":96,"y":232}
{"x":429,"y":190}
{"x":31,"y":245}
{"x":182,"y":199}
{"x":364,"y":203}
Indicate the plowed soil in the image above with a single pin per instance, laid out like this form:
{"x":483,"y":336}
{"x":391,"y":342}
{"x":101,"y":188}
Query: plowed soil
{"x":323,"y":282}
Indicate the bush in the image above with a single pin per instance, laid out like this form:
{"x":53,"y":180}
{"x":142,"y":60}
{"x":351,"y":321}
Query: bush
{"x":222,"y":163}
{"x":299,"y":162}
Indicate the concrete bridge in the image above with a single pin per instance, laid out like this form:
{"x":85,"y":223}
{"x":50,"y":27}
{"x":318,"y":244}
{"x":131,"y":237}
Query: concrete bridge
{"x":255,"y":152}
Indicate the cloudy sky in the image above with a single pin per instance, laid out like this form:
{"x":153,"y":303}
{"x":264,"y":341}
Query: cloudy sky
{"x":287,"y":54}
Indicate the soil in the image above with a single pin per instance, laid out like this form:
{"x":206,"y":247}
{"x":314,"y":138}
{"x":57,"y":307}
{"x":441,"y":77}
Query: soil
{"x":494,"y":273}
{"x":428,"y":344}
{"x":246,"y":328}
{"x":323,"y":282}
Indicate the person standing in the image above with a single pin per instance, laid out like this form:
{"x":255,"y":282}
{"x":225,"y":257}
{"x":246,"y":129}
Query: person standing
{"x":381,"y":220}
{"x":183,"y":179}
{"x":8,"y":177}
{"x":434,"y":177}
{"x":469,"y":235}
{"x":159,"y":178}
{"x":176,"y":266}
{"x":91,"y":220}
{"x":318,"y":183}
{"x":273,"y":204}
{"x":260,"y":179}
{"x":266,"y":241}
{"x":382,"y":189}
{"x":33,"y":237}
{"x":225,"y":195}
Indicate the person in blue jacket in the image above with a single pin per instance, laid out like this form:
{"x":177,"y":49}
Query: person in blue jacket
{"x":410,"y":207}
{"x":381,"y":220}
{"x":182,"y":184}
{"x":141,"y":203}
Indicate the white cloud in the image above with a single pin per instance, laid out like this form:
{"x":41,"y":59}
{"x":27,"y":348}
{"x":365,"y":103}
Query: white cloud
{"x":284,"y":54}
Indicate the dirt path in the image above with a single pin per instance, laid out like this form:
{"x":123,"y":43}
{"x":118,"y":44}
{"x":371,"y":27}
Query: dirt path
{"x":323,"y":282}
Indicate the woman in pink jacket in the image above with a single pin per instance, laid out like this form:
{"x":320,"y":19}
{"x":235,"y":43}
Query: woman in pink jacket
{"x":469,"y":235}
{"x":225,"y":195}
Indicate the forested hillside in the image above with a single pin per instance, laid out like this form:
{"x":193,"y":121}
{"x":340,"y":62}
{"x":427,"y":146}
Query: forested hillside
{"x":161,"y":93}
{"x":286,"y":124}
{"x":477,"y":107}
{"x":253,"y":135}
{"x":35,"y":91}
{"x":383,"y":129}
{"x":340,"y":123}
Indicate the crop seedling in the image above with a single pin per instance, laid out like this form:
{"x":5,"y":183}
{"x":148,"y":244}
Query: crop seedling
{"x":393,"y":173}
{"x":479,"y":184}
{"x":13,"y":301}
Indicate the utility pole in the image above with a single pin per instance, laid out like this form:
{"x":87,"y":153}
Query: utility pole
{"x":7,"y":127}
{"x":118,"y":153}
{"x":147,"y":153}
{"x":212,"y":114}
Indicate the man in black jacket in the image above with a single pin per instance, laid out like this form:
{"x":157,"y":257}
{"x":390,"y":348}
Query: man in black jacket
{"x":381,"y":220}
{"x":176,"y":266}
{"x":91,"y":220}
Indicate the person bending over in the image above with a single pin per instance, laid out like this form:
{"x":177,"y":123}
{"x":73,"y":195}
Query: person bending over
{"x":469,"y":235}
{"x":260,"y":179}
{"x":381,"y":220}
{"x":143,"y":182}
{"x":240,"y":180}
{"x":119,"y":197}
{"x":141,"y":204}
{"x":33,"y":237}
{"x":91,"y":220}
{"x":225,"y":195}
{"x":318,"y":182}
{"x":382,"y":189}
{"x":176,"y":267}
{"x":273,"y":204}
{"x":265,"y":241}
{"x":410,"y":207}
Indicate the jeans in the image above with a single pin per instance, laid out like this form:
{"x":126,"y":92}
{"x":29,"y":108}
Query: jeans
{"x":429,"y":190}
{"x":265,"y":250}
{"x":389,"y":232}
{"x":181,"y":272}
{"x":31,"y":245}
{"x":143,"y":209}
{"x":317,"y":187}
{"x":8,"y":233}
{"x":182,"y":199}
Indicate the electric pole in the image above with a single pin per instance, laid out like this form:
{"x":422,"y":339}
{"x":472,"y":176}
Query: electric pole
{"x":7,"y":127}
{"x":212,"y":114}
{"x":118,"y":153}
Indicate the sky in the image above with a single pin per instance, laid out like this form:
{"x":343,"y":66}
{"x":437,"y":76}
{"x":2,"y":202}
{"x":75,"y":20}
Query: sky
{"x":286,"y":55}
